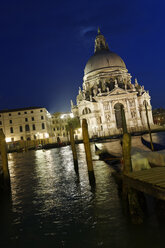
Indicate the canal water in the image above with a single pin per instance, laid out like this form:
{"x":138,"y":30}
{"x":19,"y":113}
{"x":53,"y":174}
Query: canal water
{"x":51,"y":206}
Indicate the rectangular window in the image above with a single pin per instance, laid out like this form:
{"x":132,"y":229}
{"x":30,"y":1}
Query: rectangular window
{"x":26,"y":119}
{"x":42,"y":117}
{"x":20,"y":129}
{"x":32,"y":118}
{"x":34,"y":127}
{"x":27,"y":128}
{"x":43,"y":126}
{"x":0,"y":122}
{"x":11,"y":130}
{"x":10,"y":121}
{"x":21,"y":137}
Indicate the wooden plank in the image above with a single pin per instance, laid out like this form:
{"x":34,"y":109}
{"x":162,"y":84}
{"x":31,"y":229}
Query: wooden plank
{"x":145,"y":187}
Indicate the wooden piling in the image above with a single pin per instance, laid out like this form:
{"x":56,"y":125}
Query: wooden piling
{"x":88,"y":152}
{"x":124,"y":124}
{"x":5,"y":169}
{"x":127,"y":153}
{"x":131,"y":198}
{"x":149,"y":129}
{"x":74,"y":152}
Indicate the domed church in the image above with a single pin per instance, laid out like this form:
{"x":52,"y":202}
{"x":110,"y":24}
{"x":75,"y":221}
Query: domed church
{"x":106,"y":86}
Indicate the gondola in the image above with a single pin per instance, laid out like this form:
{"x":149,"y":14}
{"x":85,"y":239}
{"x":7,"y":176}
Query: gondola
{"x":157,"y":147}
{"x":111,"y":159}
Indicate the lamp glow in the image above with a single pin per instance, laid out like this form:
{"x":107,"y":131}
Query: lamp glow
{"x":8,"y":139}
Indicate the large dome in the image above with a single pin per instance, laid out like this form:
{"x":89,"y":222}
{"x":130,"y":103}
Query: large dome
{"x":103,"y":59}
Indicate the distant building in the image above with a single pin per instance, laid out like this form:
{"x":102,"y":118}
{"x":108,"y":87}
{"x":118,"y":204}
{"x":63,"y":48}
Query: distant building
{"x":60,"y":127}
{"x":159,"y":116}
{"x":26,"y":123}
{"x":106,"y":87}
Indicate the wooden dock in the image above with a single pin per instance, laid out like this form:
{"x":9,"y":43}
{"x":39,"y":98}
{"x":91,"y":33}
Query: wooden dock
{"x":151,"y":181}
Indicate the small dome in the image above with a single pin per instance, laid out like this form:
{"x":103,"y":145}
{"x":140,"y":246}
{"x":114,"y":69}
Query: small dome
{"x":103,"y":59}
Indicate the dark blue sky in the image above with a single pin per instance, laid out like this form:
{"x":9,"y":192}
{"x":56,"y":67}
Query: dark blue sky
{"x":44,"y":46}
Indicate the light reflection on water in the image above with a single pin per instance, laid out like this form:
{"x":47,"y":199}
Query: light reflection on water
{"x":53,"y":207}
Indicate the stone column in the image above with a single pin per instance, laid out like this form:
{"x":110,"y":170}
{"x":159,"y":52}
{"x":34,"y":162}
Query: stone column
{"x":113,"y":122}
{"x":139,"y":122}
{"x":129,"y":121}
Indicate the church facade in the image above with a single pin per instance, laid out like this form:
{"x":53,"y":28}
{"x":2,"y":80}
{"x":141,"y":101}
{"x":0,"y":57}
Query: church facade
{"x":106,"y":87}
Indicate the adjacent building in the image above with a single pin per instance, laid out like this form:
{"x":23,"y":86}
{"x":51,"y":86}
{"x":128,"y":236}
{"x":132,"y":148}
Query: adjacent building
{"x":159,"y":116}
{"x":26,"y":123}
{"x":107,"y":87}
{"x":60,"y":127}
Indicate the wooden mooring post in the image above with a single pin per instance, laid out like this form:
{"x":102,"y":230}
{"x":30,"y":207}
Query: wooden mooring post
{"x":148,"y":124}
{"x":132,"y":198}
{"x":88,"y":152}
{"x":5,"y":169}
{"x":72,"y":142}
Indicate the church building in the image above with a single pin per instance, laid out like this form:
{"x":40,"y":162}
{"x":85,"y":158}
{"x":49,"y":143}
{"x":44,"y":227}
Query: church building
{"x":106,"y":87}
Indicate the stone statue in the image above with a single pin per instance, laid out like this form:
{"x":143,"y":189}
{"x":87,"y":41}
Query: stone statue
{"x":80,"y":92}
{"x":71,"y":102}
{"x":95,"y":91}
{"x":140,"y":91}
{"x":107,"y":89}
{"x":116,"y":84}
{"x":136,"y":82}
{"x":99,"y":89}
{"x":133,"y":87}
{"x":108,"y":117}
{"x":90,"y":96}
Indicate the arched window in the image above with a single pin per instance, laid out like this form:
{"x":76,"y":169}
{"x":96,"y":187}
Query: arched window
{"x":86,"y":111}
{"x":27,"y":128}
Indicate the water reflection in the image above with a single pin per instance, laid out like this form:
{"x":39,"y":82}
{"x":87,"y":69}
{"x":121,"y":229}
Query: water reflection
{"x":52,"y":207}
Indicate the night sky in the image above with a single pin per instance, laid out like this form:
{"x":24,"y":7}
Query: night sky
{"x":44,"y":46}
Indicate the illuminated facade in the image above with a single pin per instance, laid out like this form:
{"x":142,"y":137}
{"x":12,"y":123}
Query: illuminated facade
{"x":106,"y":87}
{"x":26,"y":123}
